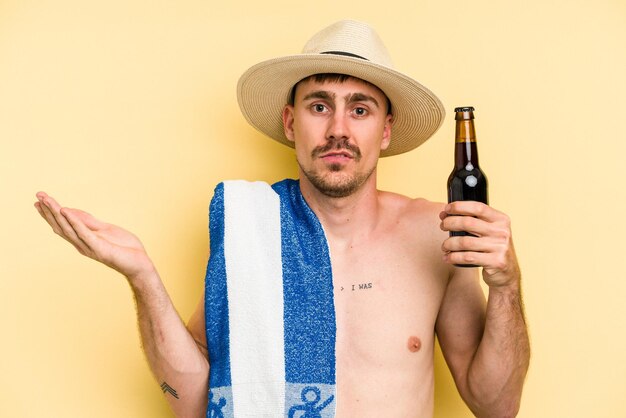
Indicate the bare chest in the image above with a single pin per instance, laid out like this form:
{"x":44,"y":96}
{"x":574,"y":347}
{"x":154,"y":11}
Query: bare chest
{"x":386,"y":301}
{"x":383,"y":297}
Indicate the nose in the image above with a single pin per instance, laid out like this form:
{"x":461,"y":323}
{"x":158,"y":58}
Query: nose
{"x":338,"y":127}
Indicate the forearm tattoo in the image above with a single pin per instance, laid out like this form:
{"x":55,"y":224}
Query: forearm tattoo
{"x":168,"y":389}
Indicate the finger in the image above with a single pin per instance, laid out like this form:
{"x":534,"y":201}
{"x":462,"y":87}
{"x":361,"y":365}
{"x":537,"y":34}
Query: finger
{"x":466,"y":257}
{"x":469,"y":224}
{"x":40,"y":195}
{"x":51,"y":209}
{"x":89,"y":220}
{"x":86,"y":235}
{"x":476,"y":209}
{"x":46,"y":212}
{"x":39,"y":210}
{"x":68,"y":231}
{"x":497,"y":262}
{"x":85,"y":217}
{"x":467,"y":243}
{"x":42,"y":212}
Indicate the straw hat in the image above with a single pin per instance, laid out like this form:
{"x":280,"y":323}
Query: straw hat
{"x":346,"y":47}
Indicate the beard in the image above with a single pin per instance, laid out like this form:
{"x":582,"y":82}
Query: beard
{"x":334,"y":182}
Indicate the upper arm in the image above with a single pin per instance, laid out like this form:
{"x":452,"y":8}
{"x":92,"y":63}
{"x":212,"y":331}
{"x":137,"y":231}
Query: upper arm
{"x":196,"y":327}
{"x":460,"y":322}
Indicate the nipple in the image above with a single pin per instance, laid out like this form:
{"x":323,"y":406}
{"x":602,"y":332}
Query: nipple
{"x":414,"y":344}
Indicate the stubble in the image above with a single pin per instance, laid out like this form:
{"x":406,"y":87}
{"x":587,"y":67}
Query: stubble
{"x":335,"y":182}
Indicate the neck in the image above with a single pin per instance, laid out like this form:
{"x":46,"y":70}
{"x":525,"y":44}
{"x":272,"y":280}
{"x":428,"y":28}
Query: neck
{"x":344,"y":218}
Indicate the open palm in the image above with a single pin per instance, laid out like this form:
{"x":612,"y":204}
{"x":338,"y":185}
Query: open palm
{"x":106,"y":243}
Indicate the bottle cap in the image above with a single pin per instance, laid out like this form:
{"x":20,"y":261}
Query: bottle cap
{"x":464,"y":113}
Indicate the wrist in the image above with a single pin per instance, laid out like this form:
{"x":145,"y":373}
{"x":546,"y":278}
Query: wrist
{"x":145,"y":278}
{"x":504,"y":280}
{"x":512,"y":289}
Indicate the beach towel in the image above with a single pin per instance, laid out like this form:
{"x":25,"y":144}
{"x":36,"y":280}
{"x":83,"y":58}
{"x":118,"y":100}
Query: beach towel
{"x":270,"y":314}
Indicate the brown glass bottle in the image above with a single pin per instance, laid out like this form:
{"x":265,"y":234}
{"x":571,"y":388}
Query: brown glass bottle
{"x":467,"y":181}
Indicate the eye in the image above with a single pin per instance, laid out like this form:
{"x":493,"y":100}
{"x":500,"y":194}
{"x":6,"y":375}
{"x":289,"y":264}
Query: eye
{"x":360,"y":111}
{"x":319,"y":108}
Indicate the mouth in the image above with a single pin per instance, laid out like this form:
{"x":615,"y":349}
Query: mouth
{"x":337,"y":156}
{"x":337,"y":152}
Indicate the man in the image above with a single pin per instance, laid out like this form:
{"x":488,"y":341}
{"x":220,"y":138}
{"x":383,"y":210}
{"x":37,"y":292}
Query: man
{"x":393,"y":284}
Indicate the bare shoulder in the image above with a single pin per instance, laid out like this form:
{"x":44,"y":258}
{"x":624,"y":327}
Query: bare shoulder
{"x":416,"y":224}
{"x":413,"y":212}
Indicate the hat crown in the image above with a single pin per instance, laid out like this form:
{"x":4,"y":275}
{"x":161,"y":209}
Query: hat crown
{"x":350,"y":37}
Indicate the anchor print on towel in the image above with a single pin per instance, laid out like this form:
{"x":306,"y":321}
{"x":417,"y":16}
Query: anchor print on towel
{"x":215,"y":409}
{"x":310,"y":408}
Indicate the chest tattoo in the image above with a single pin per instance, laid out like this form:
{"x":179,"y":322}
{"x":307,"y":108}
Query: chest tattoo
{"x":358,"y":287}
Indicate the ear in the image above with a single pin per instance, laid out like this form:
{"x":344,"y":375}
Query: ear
{"x":288,"y":122}
{"x":386,"y":133}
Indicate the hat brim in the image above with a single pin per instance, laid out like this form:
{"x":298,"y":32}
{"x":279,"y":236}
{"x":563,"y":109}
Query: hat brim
{"x":264,"y":89}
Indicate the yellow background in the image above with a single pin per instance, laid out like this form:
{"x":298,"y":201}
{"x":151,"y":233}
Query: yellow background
{"x":127,"y":109}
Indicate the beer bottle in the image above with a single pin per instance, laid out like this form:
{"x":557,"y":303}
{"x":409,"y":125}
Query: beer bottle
{"x":467,"y":181}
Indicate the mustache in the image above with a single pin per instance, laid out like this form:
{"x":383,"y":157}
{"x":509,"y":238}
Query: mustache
{"x":337,"y":145}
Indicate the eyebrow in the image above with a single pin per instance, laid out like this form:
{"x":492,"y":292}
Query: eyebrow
{"x":320,"y":94}
{"x":360,"y":97}
{"x":349,"y":98}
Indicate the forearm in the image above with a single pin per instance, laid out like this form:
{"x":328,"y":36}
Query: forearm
{"x":175,"y":359}
{"x":496,"y":375}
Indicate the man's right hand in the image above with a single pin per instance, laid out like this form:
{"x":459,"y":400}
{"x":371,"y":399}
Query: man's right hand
{"x":106,"y":243}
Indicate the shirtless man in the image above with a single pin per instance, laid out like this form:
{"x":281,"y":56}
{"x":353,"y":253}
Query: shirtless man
{"x":396,"y":248}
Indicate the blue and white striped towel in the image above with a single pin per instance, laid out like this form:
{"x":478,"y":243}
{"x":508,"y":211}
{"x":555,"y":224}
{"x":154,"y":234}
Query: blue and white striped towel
{"x":270,"y":314}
